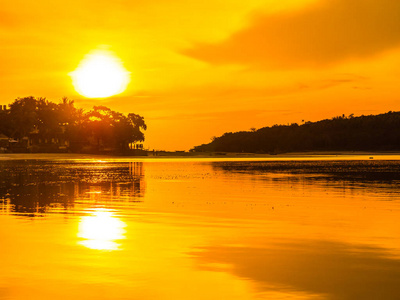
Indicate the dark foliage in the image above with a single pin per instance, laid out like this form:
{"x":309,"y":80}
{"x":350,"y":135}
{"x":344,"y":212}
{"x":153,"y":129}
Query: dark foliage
{"x":364,"y":133}
{"x":37,"y":119}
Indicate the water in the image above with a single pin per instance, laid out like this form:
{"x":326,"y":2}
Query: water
{"x":282,"y":228}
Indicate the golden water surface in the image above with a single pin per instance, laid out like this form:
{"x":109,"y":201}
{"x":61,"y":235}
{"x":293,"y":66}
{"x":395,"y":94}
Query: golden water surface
{"x":312,"y":228}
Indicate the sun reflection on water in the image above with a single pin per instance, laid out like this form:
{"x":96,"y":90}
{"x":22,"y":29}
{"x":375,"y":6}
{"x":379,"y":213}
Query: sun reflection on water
{"x":101,"y":230}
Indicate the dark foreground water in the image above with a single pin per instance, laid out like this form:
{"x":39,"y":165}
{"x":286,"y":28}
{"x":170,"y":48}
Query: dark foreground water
{"x":200,"y":229}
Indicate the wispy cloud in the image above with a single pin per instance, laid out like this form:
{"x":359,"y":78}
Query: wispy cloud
{"x":325,"y":33}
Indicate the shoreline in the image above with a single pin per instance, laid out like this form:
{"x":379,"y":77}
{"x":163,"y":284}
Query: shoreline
{"x":319,"y":155}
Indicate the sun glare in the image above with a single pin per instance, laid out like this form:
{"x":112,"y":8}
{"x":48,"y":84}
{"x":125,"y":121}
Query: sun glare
{"x":100,"y":74}
{"x":101,"y":230}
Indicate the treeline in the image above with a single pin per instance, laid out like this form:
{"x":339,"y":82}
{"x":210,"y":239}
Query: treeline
{"x":344,"y":133}
{"x":40,"y":125}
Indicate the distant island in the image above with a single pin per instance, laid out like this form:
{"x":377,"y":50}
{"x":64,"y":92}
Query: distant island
{"x":343,"y":133}
{"x":36,"y":125}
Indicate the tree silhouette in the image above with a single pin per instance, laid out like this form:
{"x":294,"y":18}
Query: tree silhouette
{"x":98,"y":129}
{"x":363,"y":133}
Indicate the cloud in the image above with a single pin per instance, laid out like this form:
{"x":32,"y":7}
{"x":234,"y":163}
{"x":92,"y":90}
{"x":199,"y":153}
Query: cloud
{"x":324,"y":33}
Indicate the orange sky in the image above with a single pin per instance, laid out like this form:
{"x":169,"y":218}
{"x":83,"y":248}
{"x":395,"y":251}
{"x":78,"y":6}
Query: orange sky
{"x":201,"y":68}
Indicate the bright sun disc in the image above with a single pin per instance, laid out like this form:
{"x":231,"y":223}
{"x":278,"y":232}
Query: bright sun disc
{"x":100,"y":74}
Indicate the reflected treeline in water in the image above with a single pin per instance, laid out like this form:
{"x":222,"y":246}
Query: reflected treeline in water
{"x":365,"y":173}
{"x":381,"y":170}
{"x":38,"y":187}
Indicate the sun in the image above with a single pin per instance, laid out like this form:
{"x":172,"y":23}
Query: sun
{"x":100,"y":74}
